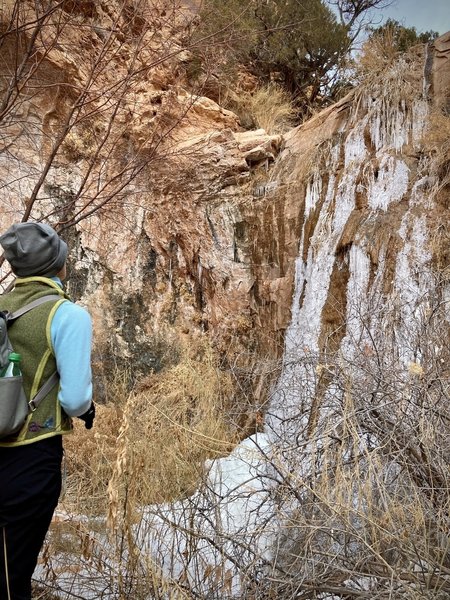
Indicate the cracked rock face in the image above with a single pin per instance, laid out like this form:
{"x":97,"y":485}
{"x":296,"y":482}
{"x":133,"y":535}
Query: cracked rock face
{"x":437,"y":68}
{"x":204,"y":234}
{"x":215,"y":243}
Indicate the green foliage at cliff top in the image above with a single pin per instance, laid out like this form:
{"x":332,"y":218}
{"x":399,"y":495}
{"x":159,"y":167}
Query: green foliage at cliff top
{"x":299,"y":45}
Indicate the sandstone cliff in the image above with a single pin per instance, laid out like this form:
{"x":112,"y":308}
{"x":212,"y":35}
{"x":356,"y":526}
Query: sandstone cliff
{"x":159,"y":181}
{"x":184,"y":223}
{"x":324,"y":246}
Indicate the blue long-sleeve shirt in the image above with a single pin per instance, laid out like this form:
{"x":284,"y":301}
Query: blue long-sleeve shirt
{"x":71,"y":335}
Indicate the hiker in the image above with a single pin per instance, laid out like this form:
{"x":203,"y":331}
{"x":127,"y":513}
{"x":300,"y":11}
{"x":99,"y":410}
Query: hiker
{"x":54,"y":336}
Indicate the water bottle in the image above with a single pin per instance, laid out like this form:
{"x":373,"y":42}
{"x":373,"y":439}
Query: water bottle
{"x":13,"y":368}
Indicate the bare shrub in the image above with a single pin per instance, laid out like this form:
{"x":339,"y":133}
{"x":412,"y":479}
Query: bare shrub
{"x":365,"y":491}
{"x":360,"y":492}
{"x":356,"y":503}
{"x":177,"y":419}
{"x":380,"y":54}
{"x":149,"y":448}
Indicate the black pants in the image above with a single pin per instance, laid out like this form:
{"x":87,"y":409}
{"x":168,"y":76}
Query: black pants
{"x":30,"y":484}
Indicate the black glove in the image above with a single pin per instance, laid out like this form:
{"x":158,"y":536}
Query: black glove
{"x":88,"y":417}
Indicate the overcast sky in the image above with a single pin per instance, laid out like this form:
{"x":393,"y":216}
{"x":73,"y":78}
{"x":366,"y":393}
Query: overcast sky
{"x":421,"y":14}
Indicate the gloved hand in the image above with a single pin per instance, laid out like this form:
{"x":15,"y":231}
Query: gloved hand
{"x":88,"y":417}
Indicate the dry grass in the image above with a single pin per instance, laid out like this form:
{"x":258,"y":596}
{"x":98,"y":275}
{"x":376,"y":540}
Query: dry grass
{"x":146,"y":447}
{"x":173,"y":423}
{"x":437,"y":142}
{"x":378,"y":52}
{"x":369,"y":521}
{"x":397,"y":75}
{"x":267,"y":107}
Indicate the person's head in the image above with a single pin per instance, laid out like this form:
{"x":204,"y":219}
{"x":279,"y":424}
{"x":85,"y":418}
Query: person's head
{"x":34,"y":249}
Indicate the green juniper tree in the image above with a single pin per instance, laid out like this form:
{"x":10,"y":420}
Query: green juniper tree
{"x":297,"y":43}
{"x":402,"y":38}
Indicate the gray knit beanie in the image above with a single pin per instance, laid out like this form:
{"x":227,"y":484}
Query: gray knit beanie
{"x":34,"y":249}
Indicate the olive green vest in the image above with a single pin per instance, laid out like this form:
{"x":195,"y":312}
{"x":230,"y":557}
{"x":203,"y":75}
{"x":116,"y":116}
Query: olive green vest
{"x":30,"y":336}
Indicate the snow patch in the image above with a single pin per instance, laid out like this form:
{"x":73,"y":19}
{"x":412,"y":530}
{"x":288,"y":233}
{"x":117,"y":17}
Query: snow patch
{"x":229,"y":522}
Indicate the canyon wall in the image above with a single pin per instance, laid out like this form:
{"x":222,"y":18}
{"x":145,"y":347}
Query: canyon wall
{"x":327,"y":497}
{"x":186,"y":225}
{"x":323,"y":251}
